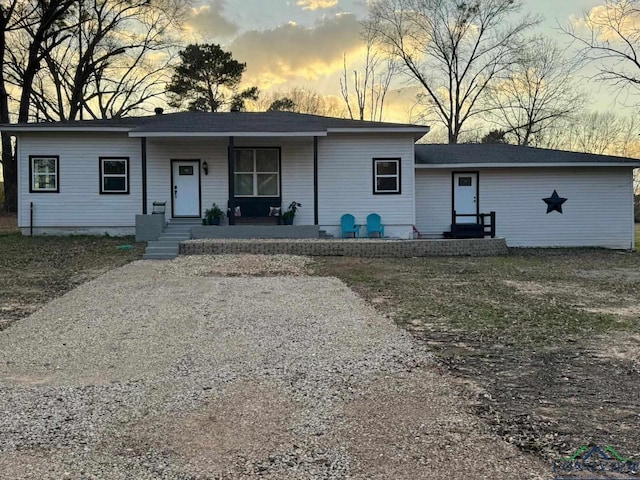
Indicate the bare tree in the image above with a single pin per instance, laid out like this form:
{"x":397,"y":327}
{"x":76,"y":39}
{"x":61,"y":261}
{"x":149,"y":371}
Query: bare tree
{"x":114,"y":62}
{"x":602,"y":133}
{"x":537,"y":90}
{"x":370,"y":85}
{"x":609,"y":36}
{"x":11,"y":17}
{"x":454,"y":49}
{"x":301,"y":100}
{"x":43,"y":22}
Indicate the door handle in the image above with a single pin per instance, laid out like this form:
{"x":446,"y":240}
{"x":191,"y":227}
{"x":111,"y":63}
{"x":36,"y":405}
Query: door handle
{"x":175,"y":191}
{"x":475,"y":199}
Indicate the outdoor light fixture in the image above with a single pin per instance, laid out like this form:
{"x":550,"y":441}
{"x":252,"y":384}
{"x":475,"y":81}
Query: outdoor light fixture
{"x":205,"y":167}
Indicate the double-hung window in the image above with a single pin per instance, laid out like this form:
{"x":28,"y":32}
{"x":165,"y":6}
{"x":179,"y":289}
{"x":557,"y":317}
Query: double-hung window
{"x":257,"y":172}
{"x":44,"y":173}
{"x":386,"y":175}
{"x":114,"y":175}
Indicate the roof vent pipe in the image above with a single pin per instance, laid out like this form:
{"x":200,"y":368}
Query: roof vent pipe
{"x":158,"y":110}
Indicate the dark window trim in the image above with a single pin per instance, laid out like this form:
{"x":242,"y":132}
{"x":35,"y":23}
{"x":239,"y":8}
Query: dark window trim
{"x":119,"y":192}
{"x":395,"y":159}
{"x":37,"y":190}
{"x":279,"y":149}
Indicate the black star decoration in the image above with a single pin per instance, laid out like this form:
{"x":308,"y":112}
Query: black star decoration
{"x":554,"y":202}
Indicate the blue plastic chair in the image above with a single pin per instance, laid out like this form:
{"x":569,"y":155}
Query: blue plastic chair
{"x":374,"y":225}
{"x":349,"y":225}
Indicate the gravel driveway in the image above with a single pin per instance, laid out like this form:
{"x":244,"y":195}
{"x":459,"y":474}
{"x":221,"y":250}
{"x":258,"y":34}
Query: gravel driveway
{"x":192,"y":369}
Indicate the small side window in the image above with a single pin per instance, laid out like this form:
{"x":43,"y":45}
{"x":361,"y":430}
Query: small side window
{"x":44,"y":173}
{"x":114,"y":175}
{"x":386,"y":176}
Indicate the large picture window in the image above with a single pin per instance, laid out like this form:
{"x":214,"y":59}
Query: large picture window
{"x":44,"y":173}
{"x":114,"y":175}
{"x":257,"y":172}
{"x":386,"y":175}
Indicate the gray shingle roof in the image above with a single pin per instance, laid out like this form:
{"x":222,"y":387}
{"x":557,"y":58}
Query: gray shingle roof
{"x":200,"y":122}
{"x":485,"y":154}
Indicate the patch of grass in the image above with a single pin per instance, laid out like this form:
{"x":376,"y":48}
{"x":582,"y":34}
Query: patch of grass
{"x":34,"y":270}
{"x":534,"y":330}
{"x":532,"y":297}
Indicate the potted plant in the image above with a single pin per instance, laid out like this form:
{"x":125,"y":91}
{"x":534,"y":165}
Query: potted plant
{"x":287,"y":217}
{"x":212,"y":215}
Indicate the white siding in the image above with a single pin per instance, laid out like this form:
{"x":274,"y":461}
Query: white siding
{"x":296,"y":170}
{"x":160,"y":152}
{"x":598,"y":212}
{"x":80,"y":205}
{"x":433,"y":201}
{"x":79,"y":202}
{"x":345,"y":185}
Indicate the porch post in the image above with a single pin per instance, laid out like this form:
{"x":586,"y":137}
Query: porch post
{"x":315,"y":180}
{"x":232,"y":189}
{"x":143,"y":143}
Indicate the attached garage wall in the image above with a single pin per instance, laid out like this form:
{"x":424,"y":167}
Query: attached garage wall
{"x":598,"y":212}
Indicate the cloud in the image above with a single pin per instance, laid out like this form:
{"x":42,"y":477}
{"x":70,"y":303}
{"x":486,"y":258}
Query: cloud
{"x":316,"y":4}
{"x":609,"y":21}
{"x":209,"y":21}
{"x":293,"y":52}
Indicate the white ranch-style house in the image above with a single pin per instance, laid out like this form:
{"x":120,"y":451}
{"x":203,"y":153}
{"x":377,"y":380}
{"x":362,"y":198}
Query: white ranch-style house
{"x":95,"y":176}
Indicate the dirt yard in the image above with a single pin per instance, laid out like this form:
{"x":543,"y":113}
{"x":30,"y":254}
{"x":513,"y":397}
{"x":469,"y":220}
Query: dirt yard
{"x":35,"y":270}
{"x":547,"y":339}
{"x":8,"y":223}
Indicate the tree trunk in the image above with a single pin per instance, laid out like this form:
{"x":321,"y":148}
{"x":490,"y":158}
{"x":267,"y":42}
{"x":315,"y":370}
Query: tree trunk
{"x":9,"y":169}
{"x":10,"y":173}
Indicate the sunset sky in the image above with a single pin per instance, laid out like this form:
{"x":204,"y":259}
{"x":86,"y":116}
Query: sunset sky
{"x":288,"y":43}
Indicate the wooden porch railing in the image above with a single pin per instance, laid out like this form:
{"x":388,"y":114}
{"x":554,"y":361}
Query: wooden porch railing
{"x":484,"y":225}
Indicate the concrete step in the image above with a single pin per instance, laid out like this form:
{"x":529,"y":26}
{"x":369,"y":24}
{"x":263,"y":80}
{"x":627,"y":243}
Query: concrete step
{"x":158,"y":256}
{"x":168,"y":250}
{"x":175,"y":237}
{"x":181,"y":226}
{"x":168,"y":244}
{"x":185,"y":221}
{"x":161,"y":243}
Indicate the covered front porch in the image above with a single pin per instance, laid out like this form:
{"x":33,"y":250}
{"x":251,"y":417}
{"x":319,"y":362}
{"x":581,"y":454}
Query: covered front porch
{"x":252,"y":179}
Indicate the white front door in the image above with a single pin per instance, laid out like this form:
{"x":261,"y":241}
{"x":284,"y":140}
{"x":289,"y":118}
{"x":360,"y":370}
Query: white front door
{"x":465,"y":196}
{"x":185,"y":191}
